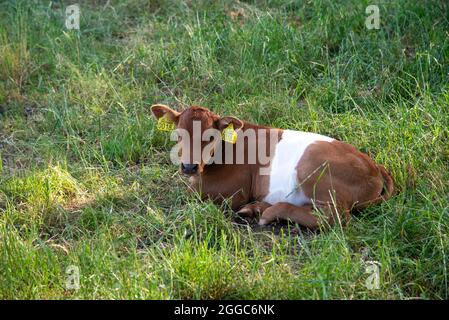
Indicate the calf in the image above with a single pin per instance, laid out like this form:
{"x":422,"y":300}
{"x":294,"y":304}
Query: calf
{"x":305,"y":177}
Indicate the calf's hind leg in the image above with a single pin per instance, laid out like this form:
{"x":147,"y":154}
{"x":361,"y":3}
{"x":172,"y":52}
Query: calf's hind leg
{"x":253,"y":209}
{"x":301,"y":215}
{"x":284,"y":210}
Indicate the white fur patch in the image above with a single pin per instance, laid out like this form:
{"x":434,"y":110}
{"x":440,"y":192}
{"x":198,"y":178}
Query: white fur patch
{"x":283,"y":176}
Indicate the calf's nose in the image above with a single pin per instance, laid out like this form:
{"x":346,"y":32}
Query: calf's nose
{"x":189,"y":168}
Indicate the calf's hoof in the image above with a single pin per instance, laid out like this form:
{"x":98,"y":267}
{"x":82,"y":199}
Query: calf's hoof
{"x":252,"y":210}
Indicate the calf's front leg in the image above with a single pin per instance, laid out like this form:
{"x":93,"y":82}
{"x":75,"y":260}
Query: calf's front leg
{"x":219,"y":190}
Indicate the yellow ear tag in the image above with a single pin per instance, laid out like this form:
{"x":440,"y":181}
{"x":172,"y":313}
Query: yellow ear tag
{"x":229,"y":134}
{"x":163,"y":124}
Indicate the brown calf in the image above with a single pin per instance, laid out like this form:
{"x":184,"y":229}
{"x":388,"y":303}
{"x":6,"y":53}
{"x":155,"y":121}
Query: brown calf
{"x":299,"y":171}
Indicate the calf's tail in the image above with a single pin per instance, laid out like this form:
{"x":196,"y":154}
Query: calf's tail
{"x":386,"y":193}
{"x":388,"y":189}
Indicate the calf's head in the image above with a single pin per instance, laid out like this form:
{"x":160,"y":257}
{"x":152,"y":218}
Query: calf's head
{"x":199,"y":131}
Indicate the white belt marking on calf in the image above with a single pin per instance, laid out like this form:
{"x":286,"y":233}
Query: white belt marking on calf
{"x":283,"y":185}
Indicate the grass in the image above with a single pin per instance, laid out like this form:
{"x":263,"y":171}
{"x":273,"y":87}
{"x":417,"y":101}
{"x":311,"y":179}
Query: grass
{"x":86,"y":180}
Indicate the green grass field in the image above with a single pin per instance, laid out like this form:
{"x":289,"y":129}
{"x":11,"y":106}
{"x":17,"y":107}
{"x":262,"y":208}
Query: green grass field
{"x":86,"y":179}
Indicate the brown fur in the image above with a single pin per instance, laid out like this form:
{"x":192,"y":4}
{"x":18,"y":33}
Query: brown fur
{"x":335,"y":175}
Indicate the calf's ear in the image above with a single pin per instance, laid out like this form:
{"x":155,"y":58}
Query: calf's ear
{"x":160,"y":110}
{"x":223,"y":122}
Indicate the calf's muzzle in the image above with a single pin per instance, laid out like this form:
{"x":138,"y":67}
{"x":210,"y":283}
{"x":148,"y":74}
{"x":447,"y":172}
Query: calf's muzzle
{"x":189,"y":168}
